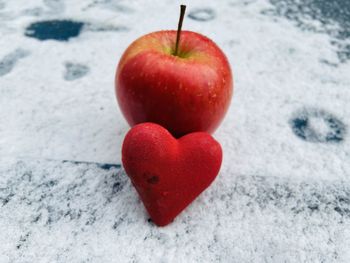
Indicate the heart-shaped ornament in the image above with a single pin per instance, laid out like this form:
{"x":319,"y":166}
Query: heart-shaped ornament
{"x":169,"y":173}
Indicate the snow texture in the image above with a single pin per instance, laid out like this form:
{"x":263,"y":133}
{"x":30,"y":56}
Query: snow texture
{"x":283,"y":193}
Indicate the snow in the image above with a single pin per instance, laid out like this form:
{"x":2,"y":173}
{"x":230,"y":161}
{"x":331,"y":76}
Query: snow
{"x":280,"y":196}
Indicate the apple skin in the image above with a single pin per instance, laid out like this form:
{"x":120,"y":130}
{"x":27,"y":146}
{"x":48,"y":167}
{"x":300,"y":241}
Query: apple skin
{"x":186,"y":93}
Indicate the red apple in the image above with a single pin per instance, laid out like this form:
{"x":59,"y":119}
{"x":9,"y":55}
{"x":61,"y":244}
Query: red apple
{"x":187,"y":92}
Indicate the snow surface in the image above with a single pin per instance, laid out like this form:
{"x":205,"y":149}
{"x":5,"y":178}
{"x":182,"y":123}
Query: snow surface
{"x":283,"y":193}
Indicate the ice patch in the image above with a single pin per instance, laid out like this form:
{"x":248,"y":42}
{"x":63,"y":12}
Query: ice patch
{"x":60,"y":30}
{"x":75,"y":71}
{"x":318,"y":126}
{"x":8,"y":62}
{"x":202,"y":14}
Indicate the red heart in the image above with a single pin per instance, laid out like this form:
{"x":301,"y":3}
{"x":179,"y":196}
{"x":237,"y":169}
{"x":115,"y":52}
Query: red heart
{"x":169,"y":173}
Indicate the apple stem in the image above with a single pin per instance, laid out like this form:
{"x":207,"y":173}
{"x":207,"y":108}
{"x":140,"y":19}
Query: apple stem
{"x":182,"y":14}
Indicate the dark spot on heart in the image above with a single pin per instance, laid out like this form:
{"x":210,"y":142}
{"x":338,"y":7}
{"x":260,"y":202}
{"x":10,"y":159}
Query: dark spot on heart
{"x":60,"y":30}
{"x":314,"y":125}
{"x":202,"y":14}
{"x":153,"y":180}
